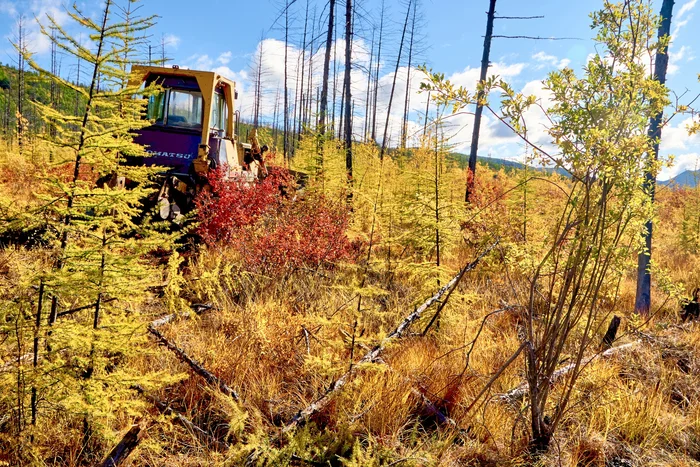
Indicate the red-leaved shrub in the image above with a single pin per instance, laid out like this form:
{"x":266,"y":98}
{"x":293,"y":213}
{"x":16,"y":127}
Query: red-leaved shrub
{"x":273,"y":230}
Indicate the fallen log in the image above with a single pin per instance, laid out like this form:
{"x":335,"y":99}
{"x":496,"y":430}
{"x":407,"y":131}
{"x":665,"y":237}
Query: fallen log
{"x":515,"y":395}
{"x":193,"y":364}
{"x":15,"y":361}
{"x":374,"y":353}
{"x":198,"y":309}
{"x":121,"y":451}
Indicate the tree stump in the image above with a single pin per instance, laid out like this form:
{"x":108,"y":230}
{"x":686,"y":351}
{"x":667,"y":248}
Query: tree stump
{"x":609,"y":337}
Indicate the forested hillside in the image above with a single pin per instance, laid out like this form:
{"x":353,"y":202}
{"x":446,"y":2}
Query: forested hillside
{"x":352,"y":302}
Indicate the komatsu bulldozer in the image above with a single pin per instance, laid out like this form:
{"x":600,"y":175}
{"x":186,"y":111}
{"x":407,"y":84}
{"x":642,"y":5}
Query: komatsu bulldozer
{"x":192,"y":131}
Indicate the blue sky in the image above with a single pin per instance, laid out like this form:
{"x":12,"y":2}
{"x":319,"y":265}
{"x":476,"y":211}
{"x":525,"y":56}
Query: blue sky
{"x":226,"y":36}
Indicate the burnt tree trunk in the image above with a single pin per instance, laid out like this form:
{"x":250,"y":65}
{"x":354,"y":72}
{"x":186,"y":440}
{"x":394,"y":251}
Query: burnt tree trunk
{"x":121,"y":451}
{"x":611,"y":333}
{"x":347,"y":94}
{"x":393,"y":84}
{"x":642,"y":301}
{"x":480,"y":97}
{"x":404,"y":125}
{"x":285,"y":137}
{"x":326,"y":70}
{"x":369,"y":89}
{"x":376,"y":76}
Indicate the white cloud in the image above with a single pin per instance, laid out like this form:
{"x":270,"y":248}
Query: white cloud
{"x":8,"y":8}
{"x":27,"y":11}
{"x":224,"y":58}
{"x":676,"y":138}
{"x":199,"y":62}
{"x":469,"y":77}
{"x":171,"y":41}
{"x":545,"y":60}
{"x":679,"y":22}
{"x":681,"y":163}
{"x":674,"y":58}
{"x":686,"y":8}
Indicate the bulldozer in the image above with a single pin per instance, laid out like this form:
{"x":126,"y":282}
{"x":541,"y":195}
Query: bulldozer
{"x":192,"y":131}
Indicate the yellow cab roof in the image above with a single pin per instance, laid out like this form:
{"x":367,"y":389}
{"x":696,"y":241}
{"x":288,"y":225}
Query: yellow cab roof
{"x":140,"y":73}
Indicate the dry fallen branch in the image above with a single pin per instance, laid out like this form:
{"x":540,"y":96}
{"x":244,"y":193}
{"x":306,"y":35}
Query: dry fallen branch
{"x":121,"y":451}
{"x":517,"y":394}
{"x":198,"y":309}
{"x":373,"y":354}
{"x":15,"y":361}
{"x":193,"y":364}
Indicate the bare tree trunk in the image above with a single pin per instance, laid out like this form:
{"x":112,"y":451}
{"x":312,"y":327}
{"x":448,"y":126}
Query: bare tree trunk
{"x":300,"y":96}
{"x":376,"y":74}
{"x":326,"y":70}
{"x":258,"y":85}
{"x":342,"y":109}
{"x":6,"y":114}
{"x":427,"y":109}
{"x":53,"y":87}
{"x":404,"y":125}
{"x":393,"y":84}
{"x":347,"y":93}
{"x":642,"y":302}
{"x":479,"y":107}
{"x":335,"y":75}
{"x":21,"y":47}
{"x":163,"y":59}
{"x":437,"y":202}
{"x":296,"y":106}
{"x":310,"y":79}
{"x":369,"y":86}
{"x":275,"y":119}
{"x":285,"y":142}
{"x":35,"y":350}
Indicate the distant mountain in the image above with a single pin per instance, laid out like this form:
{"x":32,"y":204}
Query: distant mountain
{"x":689,"y":179}
{"x":506,"y":164}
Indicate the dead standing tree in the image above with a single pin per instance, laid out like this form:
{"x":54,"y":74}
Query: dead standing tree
{"x":376,"y":72}
{"x":22,"y":51}
{"x":323,"y":105}
{"x":326,"y":70}
{"x":348,"y":95}
{"x":643,"y":296}
{"x":300,"y":81}
{"x":393,"y":84}
{"x":481,"y":95}
{"x":404,"y":124}
{"x":258,"y":71}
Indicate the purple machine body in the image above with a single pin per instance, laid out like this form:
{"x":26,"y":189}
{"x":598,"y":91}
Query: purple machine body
{"x":169,"y":144}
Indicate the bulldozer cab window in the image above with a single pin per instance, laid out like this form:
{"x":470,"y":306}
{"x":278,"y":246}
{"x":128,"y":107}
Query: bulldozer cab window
{"x":185,"y":109}
{"x":156,"y":108}
{"x":219,"y":112}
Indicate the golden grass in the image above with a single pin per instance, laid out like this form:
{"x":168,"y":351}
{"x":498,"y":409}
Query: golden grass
{"x":281,"y":342}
